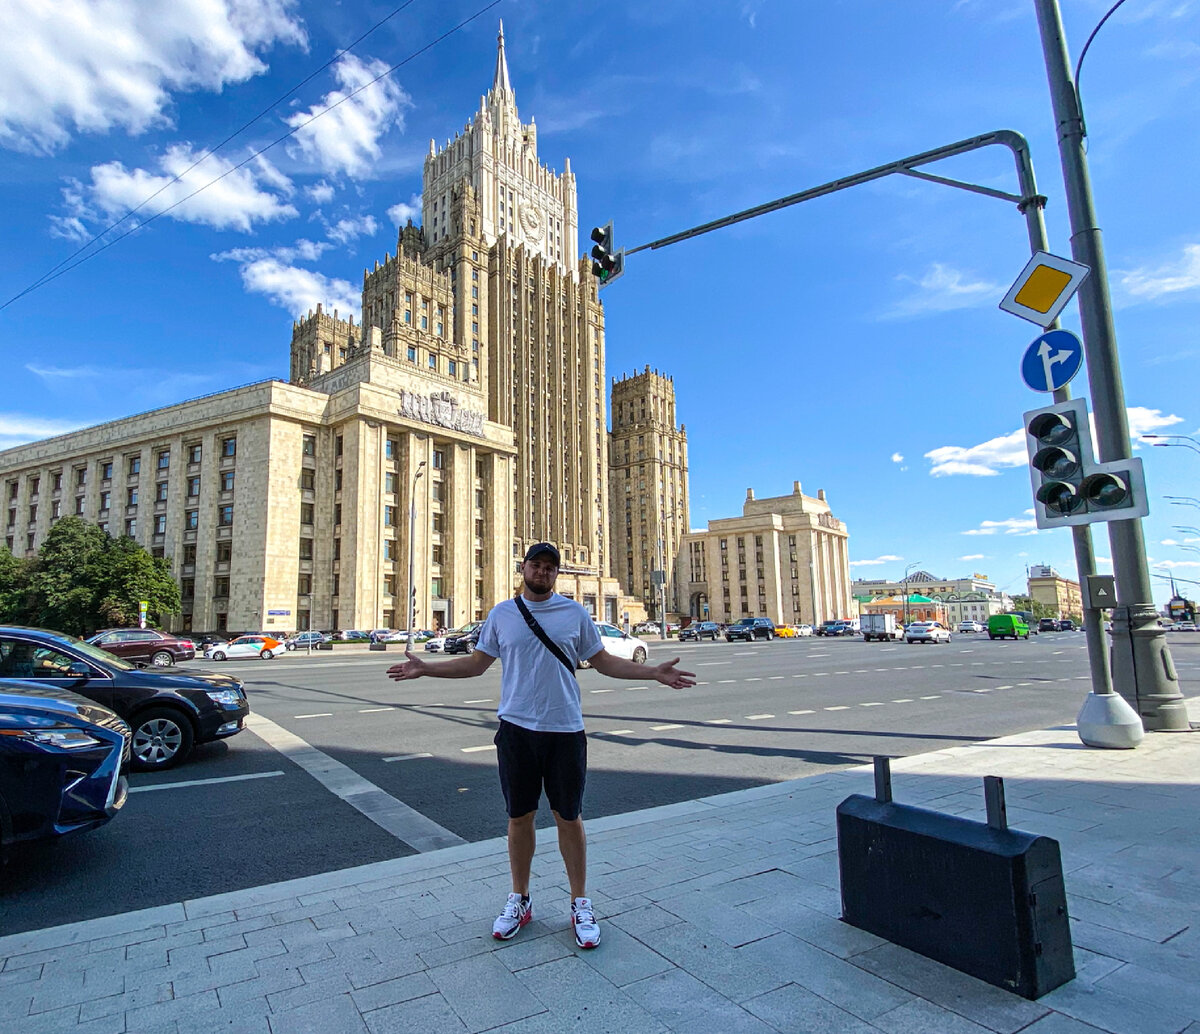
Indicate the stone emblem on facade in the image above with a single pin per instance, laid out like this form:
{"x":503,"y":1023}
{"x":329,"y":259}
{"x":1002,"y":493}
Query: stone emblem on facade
{"x":531,"y":221}
{"x":443,"y":409}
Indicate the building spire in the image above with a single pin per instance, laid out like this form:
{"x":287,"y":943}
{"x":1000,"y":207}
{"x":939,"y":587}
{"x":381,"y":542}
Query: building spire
{"x":501,"y":87}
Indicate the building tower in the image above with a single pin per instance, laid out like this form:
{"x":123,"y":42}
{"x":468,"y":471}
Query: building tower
{"x":648,"y":502}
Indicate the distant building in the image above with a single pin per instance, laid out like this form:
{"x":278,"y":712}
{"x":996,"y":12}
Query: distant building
{"x":786,"y":558}
{"x":1059,"y":594}
{"x":961,"y":599}
{"x":648,"y":486}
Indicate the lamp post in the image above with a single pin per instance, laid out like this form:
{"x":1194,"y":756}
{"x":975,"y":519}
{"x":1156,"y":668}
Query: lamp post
{"x":1185,"y":441}
{"x":907,"y":572}
{"x":662,"y":587}
{"x":412,"y":551}
{"x":1183,"y":500}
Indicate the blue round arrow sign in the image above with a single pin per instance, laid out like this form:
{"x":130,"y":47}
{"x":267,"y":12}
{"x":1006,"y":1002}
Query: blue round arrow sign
{"x":1052,"y":360}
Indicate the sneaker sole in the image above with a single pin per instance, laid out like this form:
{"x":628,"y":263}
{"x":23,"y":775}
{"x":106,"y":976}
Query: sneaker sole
{"x":516,"y":930}
{"x":586,"y":944}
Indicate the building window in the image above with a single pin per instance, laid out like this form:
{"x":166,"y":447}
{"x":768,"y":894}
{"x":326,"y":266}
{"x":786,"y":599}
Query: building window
{"x":389,"y":482}
{"x":55,"y":510}
{"x":452,"y":368}
{"x":187,"y":588}
{"x":306,"y":513}
{"x":389,"y":549}
{"x":306,"y":549}
{"x":437,"y":523}
{"x":160,"y":492}
{"x":227,"y":481}
{"x":131,"y":527}
{"x":105,"y":499}
{"x":437,"y":554}
{"x":221,"y":588}
{"x":193,"y":487}
{"x":79,"y":504}
{"x":195,"y":452}
{"x":106,"y":471}
{"x":337,"y":480}
{"x":224,"y":551}
{"x":439,"y":459}
{"x":229,"y":447}
{"x":412,"y":353}
{"x":225,"y":516}
{"x":435,"y":587}
{"x":433,"y":361}
{"x":339,"y":444}
{"x":309,"y":445}
{"x":191,"y":520}
{"x":389,"y":516}
{"x":164,"y":459}
{"x":308,"y":480}
{"x":389,"y":585}
{"x":160,"y":524}
{"x":80,"y":479}
{"x":304,"y":585}
{"x":438,"y":490}
{"x":337,"y":549}
{"x":391,"y":449}
{"x":33,"y":513}
{"x":131,"y":497}
{"x":479,"y":498}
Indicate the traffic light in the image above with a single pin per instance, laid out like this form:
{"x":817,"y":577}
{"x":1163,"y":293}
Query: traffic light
{"x":607,"y":263}
{"x":1069,"y":486}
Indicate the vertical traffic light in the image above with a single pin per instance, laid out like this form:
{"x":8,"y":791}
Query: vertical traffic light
{"x":607,"y":263}
{"x":1069,"y":486}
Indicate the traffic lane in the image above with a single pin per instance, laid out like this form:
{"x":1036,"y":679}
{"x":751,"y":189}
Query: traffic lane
{"x":189,"y":841}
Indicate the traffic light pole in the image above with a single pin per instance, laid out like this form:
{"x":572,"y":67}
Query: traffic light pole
{"x":1143,"y":671}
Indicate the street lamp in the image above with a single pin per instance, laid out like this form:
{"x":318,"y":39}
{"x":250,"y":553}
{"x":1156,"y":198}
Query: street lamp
{"x":412,"y":550}
{"x":907,"y":571}
{"x":662,"y":587}
{"x":1184,"y":441}
{"x":1183,"y":500}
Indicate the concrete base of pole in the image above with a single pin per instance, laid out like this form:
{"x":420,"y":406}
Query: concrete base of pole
{"x":1106,"y":720}
{"x":1143,"y":671}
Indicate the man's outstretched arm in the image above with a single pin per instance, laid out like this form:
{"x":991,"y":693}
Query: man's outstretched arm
{"x":465,"y":667}
{"x":620,"y":668}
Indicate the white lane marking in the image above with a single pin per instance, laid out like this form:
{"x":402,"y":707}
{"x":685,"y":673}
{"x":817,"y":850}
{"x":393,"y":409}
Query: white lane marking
{"x":936,"y":696}
{"x":664,"y":728}
{"x":370,"y":710}
{"x":903,"y":700}
{"x":630,"y":689}
{"x":775,"y":678}
{"x":1024,"y":683}
{"x":905,"y":668}
{"x":804,"y":676}
{"x":1010,"y":687}
{"x":755,"y":679}
{"x":324,"y":714}
{"x":986,"y":689}
{"x":841,"y":673}
{"x":918,"y":667}
{"x":719,"y":721}
{"x":874,"y":703}
{"x":1055,"y":653}
{"x":811,"y":655}
{"x":722,"y":682}
{"x":202,"y":782}
{"x":757,"y":717}
{"x":408,"y":757}
{"x":709,"y":664}
{"x":601,"y":690}
{"x":966,"y":651}
{"x":701,"y":683}
{"x":839,"y":707}
{"x":883,"y":669}
{"x":476,"y":750}
{"x":815,"y":673}
{"x":956,"y":664}
{"x":802,"y":712}
{"x":485,"y":700}
{"x":404,"y":823}
{"x":613,"y":732}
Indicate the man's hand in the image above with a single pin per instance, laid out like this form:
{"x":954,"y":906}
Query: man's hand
{"x":669,"y":675}
{"x":412,"y":667}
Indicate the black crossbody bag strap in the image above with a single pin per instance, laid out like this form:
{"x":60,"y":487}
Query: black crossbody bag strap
{"x":540,"y":632}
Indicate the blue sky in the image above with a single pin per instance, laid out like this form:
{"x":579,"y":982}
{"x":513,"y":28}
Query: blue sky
{"x":852,"y":343}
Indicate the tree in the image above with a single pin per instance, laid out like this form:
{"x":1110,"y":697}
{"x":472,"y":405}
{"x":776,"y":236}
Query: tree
{"x":125,"y":574}
{"x":14,"y":588}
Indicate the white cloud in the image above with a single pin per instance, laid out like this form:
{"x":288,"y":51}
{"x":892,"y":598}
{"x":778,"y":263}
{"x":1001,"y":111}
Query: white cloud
{"x":78,"y":66}
{"x":897,"y":458}
{"x":1171,"y":565}
{"x":17,"y":429}
{"x":886,"y":559}
{"x":1145,"y":421}
{"x":943,"y":289}
{"x":1175,"y":277}
{"x":346,"y":138}
{"x":320,"y":192}
{"x":346,"y":230}
{"x":402,"y":211}
{"x":299,"y":290}
{"x":973,"y":556}
{"x":235,"y":202}
{"x":1026,"y":525}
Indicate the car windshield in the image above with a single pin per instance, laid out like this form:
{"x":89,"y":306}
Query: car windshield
{"x":94,"y":653}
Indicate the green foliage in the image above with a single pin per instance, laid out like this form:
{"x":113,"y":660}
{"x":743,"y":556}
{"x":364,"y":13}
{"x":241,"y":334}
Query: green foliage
{"x":1039,"y":609}
{"x":83,"y":580}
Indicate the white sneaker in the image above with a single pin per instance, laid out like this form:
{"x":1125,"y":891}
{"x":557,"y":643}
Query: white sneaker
{"x":517,"y":912}
{"x":583,"y":921}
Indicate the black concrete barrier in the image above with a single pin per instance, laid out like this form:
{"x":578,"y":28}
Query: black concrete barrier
{"x":985,"y":899}
{"x":324,"y":646}
{"x":377,"y":646}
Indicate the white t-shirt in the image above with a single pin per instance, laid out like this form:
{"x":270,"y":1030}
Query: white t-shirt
{"x":536,"y":690}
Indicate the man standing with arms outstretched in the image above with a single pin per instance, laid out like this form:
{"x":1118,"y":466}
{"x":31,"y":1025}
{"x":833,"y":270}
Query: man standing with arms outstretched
{"x":540,"y":638}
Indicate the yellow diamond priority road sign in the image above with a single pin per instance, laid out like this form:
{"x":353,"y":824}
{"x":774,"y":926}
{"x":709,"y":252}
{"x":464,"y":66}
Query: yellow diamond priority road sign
{"x":1044,"y":287}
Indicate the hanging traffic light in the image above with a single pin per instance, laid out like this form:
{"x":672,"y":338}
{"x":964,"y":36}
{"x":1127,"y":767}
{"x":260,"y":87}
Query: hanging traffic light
{"x":1069,"y":486}
{"x":607,"y":263}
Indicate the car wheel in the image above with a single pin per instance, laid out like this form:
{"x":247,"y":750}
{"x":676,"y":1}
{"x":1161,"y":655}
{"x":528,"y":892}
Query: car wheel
{"x":218,"y":655}
{"x":289,"y":646}
{"x":161,"y":738}
{"x":266,"y":655}
{"x":162,"y":659}
{"x":639,"y":655}
{"x":909,"y":641}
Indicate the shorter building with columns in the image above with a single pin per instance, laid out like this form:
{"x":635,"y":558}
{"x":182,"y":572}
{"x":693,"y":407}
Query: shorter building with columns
{"x":785,"y":558}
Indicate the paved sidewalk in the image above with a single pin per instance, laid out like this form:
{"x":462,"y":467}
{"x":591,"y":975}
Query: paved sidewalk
{"x":717,"y":915}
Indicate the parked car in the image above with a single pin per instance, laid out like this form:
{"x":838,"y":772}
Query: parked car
{"x":1185,"y":626}
{"x":350,"y":635}
{"x":144,"y":645}
{"x":804,"y":630}
{"x":465,"y":642}
{"x":1066,"y":625}
{"x":440,"y":643}
{"x":262,"y":646}
{"x":926,"y":632}
{"x":61,"y":763}
{"x":203,"y":640}
{"x":750,"y":629}
{"x":700,"y":630}
{"x":617,"y":642}
{"x":880,"y":627}
{"x":1005,"y":626}
{"x":785,"y":631}
{"x":168,"y":711}
{"x":305,"y":640}
{"x":971,"y":626}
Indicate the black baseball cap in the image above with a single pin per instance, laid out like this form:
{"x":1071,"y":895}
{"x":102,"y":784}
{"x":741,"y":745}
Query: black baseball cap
{"x":543,"y":547}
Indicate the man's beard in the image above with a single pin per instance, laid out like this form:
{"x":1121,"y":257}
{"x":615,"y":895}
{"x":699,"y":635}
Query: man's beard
{"x":547,"y":583}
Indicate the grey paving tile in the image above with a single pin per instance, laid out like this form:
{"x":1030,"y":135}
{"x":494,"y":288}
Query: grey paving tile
{"x":793,"y":1010}
{"x":708,"y":912}
{"x":483,"y":992}
{"x":682,"y":1003}
{"x":1141,"y":916}
{"x":429,"y":1015}
{"x":729,"y":971}
{"x":644,"y":919}
{"x":187,"y":1009}
{"x":621,"y":959}
{"x":122,"y":1003}
{"x":922,"y":1017}
{"x":844,"y":985}
{"x":987,"y":1005}
{"x":817,"y":928}
{"x":581,"y":999}
{"x":328,"y":987}
{"x":1115,"y":1012}
{"x":222,"y":1021}
{"x":337,"y":1013}
{"x":1057,"y":1023}
{"x":526,"y":951}
{"x":230,"y":995}
{"x":392,"y":992}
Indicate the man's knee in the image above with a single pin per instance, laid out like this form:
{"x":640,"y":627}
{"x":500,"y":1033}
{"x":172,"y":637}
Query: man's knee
{"x":522,"y":822}
{"x":575,"y":823}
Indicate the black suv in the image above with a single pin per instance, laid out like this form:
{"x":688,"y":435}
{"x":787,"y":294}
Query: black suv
{"x":1048,"y":625}
{"x":700,"y":630}
{"x":750,"y":629}
{"x":168,"y":711}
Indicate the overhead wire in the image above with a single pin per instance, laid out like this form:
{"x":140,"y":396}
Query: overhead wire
{"x":62,"y":269}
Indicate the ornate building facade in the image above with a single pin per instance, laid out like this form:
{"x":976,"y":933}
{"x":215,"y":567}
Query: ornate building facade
{"x":785,"y":558}
{"x":466,"y":404}
{"x":648,"y":481}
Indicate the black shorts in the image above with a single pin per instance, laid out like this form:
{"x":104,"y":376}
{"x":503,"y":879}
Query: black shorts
{"x":530,"y":761}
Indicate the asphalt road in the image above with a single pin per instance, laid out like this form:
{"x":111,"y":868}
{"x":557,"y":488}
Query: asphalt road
{"x":343,"y":767}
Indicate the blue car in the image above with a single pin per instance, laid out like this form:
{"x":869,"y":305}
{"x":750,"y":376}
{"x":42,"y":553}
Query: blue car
{"x":62,"y":763}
